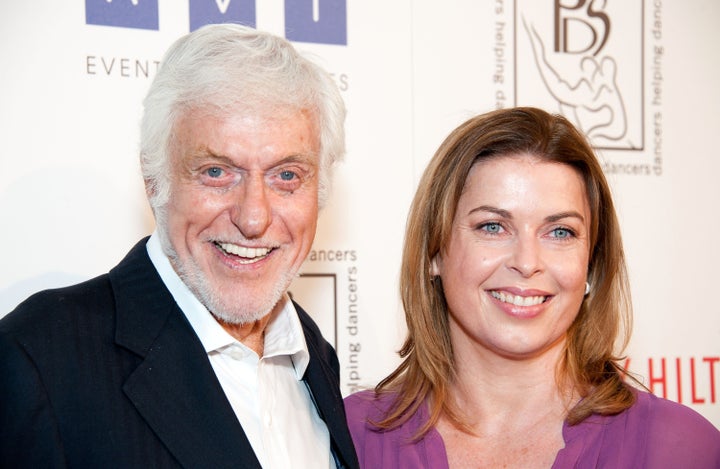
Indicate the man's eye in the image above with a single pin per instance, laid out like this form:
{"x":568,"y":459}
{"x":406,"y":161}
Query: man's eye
{"x":287,"y":175}
{"x":214,"y":172}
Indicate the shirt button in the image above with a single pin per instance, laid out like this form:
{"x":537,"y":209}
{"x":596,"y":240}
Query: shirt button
{"x":236,"y":353}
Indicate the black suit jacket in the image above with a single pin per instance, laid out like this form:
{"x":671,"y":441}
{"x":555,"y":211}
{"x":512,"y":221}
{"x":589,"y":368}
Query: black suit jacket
{"x":109,"y":373}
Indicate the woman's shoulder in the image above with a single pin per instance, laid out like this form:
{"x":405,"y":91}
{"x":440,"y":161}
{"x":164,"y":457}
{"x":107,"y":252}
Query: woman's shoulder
{"x":397,"y":447}
{"x":656,"y":432}
{"x":364,"y":400}
{"x":672,"y":425}
{"x":653,"y":432}
{"x":653,"y":408}
{"x":365,"y":407}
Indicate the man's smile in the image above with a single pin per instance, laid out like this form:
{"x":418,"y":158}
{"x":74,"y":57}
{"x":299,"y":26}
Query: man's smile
{"x":248,"y":255}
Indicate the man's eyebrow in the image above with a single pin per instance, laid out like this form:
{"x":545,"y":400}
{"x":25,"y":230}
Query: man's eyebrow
{"x":206,"y":155}
{"x":296,"y":158}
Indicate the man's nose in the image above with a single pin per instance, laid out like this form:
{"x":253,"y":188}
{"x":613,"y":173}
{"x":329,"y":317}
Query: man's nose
{"x":252,"y":213}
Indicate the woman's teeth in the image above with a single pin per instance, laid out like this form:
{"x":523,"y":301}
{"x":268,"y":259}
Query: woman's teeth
{"x":518,"y":300}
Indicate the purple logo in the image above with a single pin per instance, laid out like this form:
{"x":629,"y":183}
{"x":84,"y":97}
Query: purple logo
{"x":140,"y":14}
{"x":315,"y":21}
{"x":204,"y":12}
{"x":319,"y":21}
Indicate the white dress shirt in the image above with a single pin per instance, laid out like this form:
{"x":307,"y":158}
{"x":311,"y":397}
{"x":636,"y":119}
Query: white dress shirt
{"x":272,"y":403}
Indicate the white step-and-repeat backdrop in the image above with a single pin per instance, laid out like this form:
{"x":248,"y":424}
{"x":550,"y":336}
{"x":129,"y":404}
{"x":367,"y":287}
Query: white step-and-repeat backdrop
{"x":639,"y":76}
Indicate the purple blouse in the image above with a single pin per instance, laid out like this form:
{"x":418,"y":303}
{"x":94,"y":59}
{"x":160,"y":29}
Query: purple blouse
{"x":653,"y":433}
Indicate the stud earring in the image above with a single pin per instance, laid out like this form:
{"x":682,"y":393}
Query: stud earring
{"x":587,"y":288}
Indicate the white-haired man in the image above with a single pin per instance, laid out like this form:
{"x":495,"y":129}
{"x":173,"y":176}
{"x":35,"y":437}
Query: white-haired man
{"x":189,"y":353}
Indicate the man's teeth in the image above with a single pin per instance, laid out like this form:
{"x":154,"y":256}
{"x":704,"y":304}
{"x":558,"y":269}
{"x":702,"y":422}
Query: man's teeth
{"x":518,"y":300}
{"x":248,"y":253}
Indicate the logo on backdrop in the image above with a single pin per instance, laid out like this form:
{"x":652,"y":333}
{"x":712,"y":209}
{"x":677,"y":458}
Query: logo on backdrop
{"x":585,"y":59}
{"x":329,"y":290}
{"x":314,"y":21}
{"x":687,"y":380}
{"x":317,"y":293}
{"x":123,"y":13}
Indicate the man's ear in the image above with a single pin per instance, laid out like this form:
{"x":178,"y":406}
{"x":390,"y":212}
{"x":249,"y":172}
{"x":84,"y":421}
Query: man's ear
{"x":149,"y":187}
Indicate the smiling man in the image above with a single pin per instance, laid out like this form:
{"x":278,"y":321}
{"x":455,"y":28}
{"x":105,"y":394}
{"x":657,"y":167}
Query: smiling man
{"x":190,"y":353}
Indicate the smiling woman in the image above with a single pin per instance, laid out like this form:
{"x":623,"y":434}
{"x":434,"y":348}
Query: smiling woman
{"x":515,"y":294}
{"x":518,"y":253}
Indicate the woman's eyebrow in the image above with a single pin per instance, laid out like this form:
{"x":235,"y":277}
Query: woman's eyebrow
{"x":489,"y":208}
{"x":561,"y":215}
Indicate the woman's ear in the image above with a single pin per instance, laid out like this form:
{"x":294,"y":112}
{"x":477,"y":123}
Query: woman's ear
{"x":434,"y":269}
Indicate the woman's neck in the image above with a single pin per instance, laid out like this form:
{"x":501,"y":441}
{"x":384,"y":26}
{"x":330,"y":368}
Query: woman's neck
{"x":494,"y":391}
{"x":512,"y":411}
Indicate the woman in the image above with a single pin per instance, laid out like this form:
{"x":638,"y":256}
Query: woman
{"x":516,"y":294}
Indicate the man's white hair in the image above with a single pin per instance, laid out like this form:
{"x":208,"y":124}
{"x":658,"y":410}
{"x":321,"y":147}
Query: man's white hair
{"x":229,"y":69}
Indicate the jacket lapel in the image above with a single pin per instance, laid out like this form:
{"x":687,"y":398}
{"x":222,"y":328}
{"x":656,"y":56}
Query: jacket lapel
{"x":174,"y":389}
{"x":323,"y":381}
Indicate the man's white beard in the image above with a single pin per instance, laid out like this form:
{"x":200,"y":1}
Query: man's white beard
{"x":238,"y":308}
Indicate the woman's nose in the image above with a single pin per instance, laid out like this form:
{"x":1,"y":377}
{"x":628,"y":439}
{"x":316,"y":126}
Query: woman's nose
{"x":526,"y":257}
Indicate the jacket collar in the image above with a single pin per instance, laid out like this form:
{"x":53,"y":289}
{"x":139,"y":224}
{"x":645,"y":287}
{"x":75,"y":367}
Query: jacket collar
{"x":174,"y":388}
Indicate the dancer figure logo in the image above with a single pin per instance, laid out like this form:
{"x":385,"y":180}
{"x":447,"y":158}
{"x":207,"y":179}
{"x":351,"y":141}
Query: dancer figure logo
{"x":581,"y":60}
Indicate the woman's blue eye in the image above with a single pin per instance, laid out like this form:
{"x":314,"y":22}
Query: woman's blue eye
{"x":214,"y":172}
{"x":561,"y":233}
{"x":492,"y":227}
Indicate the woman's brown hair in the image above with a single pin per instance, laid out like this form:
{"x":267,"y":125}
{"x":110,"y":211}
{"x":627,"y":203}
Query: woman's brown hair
{"x":590,"y":365}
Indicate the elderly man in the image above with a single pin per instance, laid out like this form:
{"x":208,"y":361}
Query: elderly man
{"x":189,"y":353}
